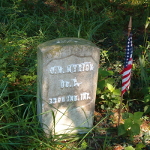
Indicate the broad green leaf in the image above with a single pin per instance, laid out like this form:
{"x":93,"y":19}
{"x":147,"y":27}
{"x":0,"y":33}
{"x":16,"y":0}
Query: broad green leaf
{"x":115,"y":101}
{"x":135,"y":128}
{"x":138,"y":121}
{"x":101,"y":84}
{"x":117,"y":92}
{"x":104,"y":73}
{"x":121,"y":130}
{"x":131,"y":116}
{"x":125,"y":115}
{"x":140,"y":146}
{"x":110,"y":80}
{"x":138,"y":115}
{"x":127,"y":123}
{"x":110,"y":87}
{"x":110,"y":72}
{"x":102,"y":107}
{"x":147,"y":98}
{"x":129,"y":148}
{"x":147,"y":109}
{"x":102,"y":97}
{"x":98,"y":91}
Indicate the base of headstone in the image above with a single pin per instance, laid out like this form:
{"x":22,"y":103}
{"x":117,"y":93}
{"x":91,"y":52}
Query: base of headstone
{"x":68,"y":121}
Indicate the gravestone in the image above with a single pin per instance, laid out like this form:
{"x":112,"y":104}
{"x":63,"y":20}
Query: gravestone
{"x":67,"y":81}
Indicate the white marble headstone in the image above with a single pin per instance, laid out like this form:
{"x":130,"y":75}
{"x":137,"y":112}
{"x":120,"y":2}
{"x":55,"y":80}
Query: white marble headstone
{"x":67,"y":81}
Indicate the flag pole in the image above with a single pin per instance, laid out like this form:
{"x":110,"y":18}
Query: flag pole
{"x":120,"y":108}
{"x":121,"y":98}
{"x":130,"y":26}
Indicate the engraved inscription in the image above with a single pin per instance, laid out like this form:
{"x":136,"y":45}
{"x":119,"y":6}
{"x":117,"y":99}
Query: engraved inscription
{"x":71,"y":83}
{"x":72,"y":68}
{"x":70,"y":98}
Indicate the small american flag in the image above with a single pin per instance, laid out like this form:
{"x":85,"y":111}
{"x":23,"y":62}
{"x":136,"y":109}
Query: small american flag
{"x":126,"y":73}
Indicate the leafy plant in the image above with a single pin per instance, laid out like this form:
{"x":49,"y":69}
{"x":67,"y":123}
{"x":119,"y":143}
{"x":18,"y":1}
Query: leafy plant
{"x":131,"y":126}
{"x":139,"y":146}
{"x":107,"y":93}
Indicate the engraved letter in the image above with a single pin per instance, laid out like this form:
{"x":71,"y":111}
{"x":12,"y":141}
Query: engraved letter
{"x":63,"y":99}
{"x":67,"y":84}
{"x":75,"y":97}
{"x":52,"y":70}
{"x":71,"y":97}
{"x":54,"y":100}
{"x":91,"y":67}
{"x":59,"y":99}
{"x":85,"y":96}
{"x":60,"y":69}
{"x":69,"y":68}
{"x":50,"y":101}
{"x":88,"y":97}
{"x":68,"y":98}
{"x":87,"y":67}
{"x":74,"y":68}
{"x":83,"y":65}
{"x":62,"y":83}
{"x":80,"y":67}
{"x":75,"y":83}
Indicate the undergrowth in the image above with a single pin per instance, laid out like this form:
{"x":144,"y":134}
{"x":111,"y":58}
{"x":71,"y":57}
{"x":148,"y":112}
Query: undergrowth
{"x":25,"y":24}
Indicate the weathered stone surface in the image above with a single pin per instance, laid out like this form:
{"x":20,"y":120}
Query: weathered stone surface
{"x":67,"y":82}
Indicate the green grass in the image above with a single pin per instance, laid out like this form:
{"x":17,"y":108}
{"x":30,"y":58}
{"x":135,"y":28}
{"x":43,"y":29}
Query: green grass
{"x":26,"y":24}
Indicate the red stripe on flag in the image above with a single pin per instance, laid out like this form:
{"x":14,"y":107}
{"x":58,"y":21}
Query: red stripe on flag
{"x":126,"y":76}
{"x":123,"y":83}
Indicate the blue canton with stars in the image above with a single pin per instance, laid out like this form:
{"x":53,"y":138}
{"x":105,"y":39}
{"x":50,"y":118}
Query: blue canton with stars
{"x":129,"y":51}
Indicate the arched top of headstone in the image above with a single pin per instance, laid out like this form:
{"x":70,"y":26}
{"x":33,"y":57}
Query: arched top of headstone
{"x":65,"y":47}
{"x":66,"y":41}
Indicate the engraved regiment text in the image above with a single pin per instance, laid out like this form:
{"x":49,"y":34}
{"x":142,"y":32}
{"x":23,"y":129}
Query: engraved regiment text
{"x":71,"y":83}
